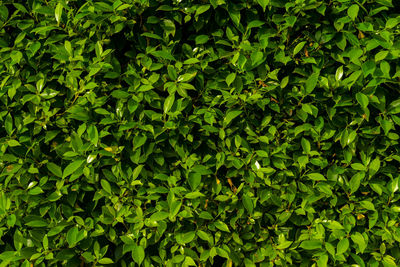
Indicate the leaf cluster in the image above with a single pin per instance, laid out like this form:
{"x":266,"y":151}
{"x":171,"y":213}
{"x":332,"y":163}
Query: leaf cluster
{"x":199,"y":133}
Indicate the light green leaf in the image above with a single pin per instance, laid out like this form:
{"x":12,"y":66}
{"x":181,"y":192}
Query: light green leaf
{"x":358,"y":239}
{"x":221,"y":226}
{"x":339,"y":73}
{"x":201,"y":9}
{"x":352,"y":12}
{"x":298,"y":47}
{"x":184,"y":238}
{"x":159,"y":216}
{"x":230,"y":78}
{"x":311,"y":244}
{"x":13,"y":143}
{"x":381,"y":55}
{"x":316,"y":176}
{"x":186,"y":77}
{"x":263,"y":3}
{"x":193,"y":195}
{"x":138,"y":254}
{"x":58,"y":12}
{"x":106,"y":261}
{"x":342,"y":246}
{"x":136,"y":172}
{"x":367,"y":205}
{"x":169,"y":101}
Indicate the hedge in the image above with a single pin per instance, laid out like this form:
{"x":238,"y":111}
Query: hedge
{"x":199,"y":133}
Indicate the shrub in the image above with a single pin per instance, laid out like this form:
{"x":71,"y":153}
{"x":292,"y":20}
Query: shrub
{"x":199,"y":133}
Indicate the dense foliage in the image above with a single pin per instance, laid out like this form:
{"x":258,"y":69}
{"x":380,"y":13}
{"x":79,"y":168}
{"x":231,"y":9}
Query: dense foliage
{"x":199,"y":133}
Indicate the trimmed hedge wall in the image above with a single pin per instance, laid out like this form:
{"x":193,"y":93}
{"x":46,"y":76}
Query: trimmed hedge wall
{"x":199,"y":133}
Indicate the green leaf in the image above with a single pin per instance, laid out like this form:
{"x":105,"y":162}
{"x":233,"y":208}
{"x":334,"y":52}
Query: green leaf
{"x":72,"y":236}
{"x":367,"y":205}
{"x":106,"y":261}
{"x":93,"y":134}
{"x":339,"y":73}
{"x":201,"y":39}
{"x":248,"y":203}
{"x":385,"y":68}
{"x":263,"y":3}
{"x":194,"y":180}
{"x":352,"y":12}
{"x":201,"y":9}
{"x":391,"y":23}
{"x":381,"y":55}
{"x":193,"y":195}
{"x":54,"y":169}
{"x":355,"y":181}
{"x":342,"y":246}
{"x":139,"y":140}
{"x":362,"y":99}
{"x":106,"y":185}
{"x":13,"y":143}
{"x":311,"y":83}
{"x":358,"y":239}
{"x":174,"y":208}
{"x":255,"y":24}
{"x":374,"y":166}
{"x":284,"y":82}
{"x":394,"y":107}
{"x":323,"y":260}
{"x":169,"y":101}
{"x":230,"y":116}
{"x":138,"y":254}
{"x":136,"y":172}
{"x":230,"y":78}
{"x":298,"y":47}
{"x":316,"y":176}
{"x":68,"y":47}
{"x":8,"y":124}
{"x":368,"y":67}
{"x":184,"y":238}
{"x":58,"y":12}
{"x":72,"y":167}
{"x":311,"y":244}
{"x":221,"y":226}
{"x":305,"y":144}
{"x":37,"y":223}
{"x":159,"y":216}
{"x":186,"y":77}
{"x":120,"y":94}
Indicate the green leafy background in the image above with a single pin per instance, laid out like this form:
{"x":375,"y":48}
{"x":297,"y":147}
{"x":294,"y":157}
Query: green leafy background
{"x":199,"y":133}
